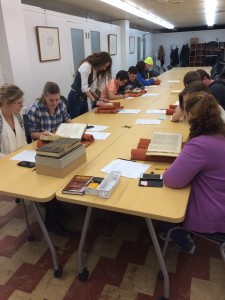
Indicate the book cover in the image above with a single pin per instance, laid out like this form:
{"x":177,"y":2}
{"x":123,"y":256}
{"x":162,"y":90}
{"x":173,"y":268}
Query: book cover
{"x":77,"y":185}
{"x":59,"y":147}
{"x":60,"y":163}
{"x":165,"y":144}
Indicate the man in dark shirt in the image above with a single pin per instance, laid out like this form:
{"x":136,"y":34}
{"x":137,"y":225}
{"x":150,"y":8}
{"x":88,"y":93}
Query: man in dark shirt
{"x":132,"y":83}
{"x":217,"y":87}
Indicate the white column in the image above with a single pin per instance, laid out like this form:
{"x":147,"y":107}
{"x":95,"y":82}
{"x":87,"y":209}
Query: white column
{"x":124,"y":42}
{"x":14,"y":53}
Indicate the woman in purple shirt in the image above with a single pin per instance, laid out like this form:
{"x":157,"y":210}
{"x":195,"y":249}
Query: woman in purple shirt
{"x":201,"y":164}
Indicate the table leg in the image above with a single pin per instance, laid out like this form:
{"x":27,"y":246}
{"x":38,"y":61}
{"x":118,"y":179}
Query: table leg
{"x":30,"y":235}
{"x":83,"y":272}
{"x":160,"y":258}
{"x":57,"y":269}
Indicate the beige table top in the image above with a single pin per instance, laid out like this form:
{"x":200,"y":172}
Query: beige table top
{"x":26,"y":183}
{"x":157,"y":203}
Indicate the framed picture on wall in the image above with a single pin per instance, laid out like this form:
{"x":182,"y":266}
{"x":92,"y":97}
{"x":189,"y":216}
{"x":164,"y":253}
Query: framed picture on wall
{"x":48,"y":43}
{"x":112,"y":44}
{"x":132,"y":44}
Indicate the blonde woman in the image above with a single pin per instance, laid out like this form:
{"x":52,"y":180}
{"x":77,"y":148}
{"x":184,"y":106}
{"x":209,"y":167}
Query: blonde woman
{"x":12,"y":133}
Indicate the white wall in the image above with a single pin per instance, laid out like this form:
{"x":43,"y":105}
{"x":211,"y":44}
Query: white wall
{"x":180,"y":38}
{"x":60,"y":71}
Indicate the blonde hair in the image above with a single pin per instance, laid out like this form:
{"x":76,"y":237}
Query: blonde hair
{"x":10,"y":92}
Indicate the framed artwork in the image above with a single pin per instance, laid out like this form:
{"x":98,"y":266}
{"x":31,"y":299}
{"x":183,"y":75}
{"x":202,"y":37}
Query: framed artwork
{"x":48,"y":43}
{"x":112,"y":44}
{"x":131,"y":44}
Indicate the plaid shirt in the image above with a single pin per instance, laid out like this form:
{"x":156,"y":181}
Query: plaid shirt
{"x":39,"y":117}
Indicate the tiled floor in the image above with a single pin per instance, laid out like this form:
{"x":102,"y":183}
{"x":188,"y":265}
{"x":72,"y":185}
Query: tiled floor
{"x":119,"y":255}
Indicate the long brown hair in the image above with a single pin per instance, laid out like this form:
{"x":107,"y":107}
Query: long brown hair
{"x":204,"y":115}
{"x":98,"y":59}
{"x":49,"y":88}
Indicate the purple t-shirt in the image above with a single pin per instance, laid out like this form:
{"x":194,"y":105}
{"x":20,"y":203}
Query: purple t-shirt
{"x":202,"y":163}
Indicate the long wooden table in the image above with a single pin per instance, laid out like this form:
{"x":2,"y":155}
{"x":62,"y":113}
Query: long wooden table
{"x":161,"y":204}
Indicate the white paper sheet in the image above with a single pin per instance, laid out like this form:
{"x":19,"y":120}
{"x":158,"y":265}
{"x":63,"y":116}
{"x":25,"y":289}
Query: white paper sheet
{"x":156,"y":111}
{"x":99,"y":135}
{"x":147,"y":122}
{"x":173,"y":80}
{"x":150,"y":94}
{"x":28,"y":155}
{"x":129,"y":111}
{"x":127,"y":168}
{"x":97,"y":127}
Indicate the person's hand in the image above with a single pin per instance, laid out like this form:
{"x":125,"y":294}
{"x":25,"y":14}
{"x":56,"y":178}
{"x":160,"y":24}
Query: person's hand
{"x":100,"y":103}
{"x":104,"y":100}
{"x":156,"y":78}
{"x":125,"y":95}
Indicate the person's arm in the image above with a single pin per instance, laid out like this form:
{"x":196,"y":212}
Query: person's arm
{"x":145,"y":82}
{"x":34,"y":123}
{"x":187,"y":165}
{"x":177,"y":114}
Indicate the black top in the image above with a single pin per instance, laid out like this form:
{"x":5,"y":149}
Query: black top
{"x":217,"y":88}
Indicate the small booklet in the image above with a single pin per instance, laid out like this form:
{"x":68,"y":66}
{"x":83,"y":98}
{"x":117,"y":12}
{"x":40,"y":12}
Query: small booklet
{"x":165,"y":144}
{"x":68,"y":130}
{"x":77,"y":185}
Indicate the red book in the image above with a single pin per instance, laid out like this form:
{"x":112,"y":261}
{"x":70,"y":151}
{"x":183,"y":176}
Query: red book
{"x":77,"y":185}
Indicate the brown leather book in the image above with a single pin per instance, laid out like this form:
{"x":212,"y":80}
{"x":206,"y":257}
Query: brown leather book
{"x":77,"y":185}
{"x":59,"y":147}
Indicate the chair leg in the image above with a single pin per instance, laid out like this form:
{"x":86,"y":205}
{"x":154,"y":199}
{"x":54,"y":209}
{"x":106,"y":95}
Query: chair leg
{"x":222,"y":251}
{"x":30,"y":237}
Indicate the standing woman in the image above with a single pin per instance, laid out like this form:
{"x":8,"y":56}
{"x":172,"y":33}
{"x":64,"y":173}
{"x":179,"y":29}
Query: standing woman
{"x":12,"y":133}
{"x":92,"y":70}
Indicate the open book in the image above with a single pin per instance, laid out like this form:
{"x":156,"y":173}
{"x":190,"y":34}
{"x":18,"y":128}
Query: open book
{"x":68,"y":130}
{"x":165,"y":144}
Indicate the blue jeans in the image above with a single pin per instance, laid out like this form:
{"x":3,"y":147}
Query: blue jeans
{"x":179,"y":236}
{"x":77,"y":104}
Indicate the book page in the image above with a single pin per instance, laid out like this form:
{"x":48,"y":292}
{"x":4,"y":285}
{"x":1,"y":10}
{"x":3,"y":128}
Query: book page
{"x":71,"y":130}
{"x":165,"y":142}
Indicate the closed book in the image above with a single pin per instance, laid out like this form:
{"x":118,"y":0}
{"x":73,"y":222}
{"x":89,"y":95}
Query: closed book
{"x":61,"y":173}
{"x":60,"y":163}
{"x":59,"y":147}
{"x":77,"y":185}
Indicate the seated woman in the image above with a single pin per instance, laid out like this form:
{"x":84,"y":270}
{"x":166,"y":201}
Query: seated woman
{"x":111,"y":88}
{"x":48,"y":112}
{"x":12,"y":133}
{"x":201,"y":164}
{"x":196,"y":86}
{"x":141,"y":75}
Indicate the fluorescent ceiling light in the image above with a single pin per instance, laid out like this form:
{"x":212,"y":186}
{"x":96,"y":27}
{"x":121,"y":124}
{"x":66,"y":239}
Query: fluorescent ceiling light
{"x":210,"y":10}
{"x":133,"y":9}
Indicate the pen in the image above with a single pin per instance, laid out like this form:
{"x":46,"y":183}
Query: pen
{"x":160,"y":168}
{"x":126,"y":159}
{"x":48,"y":132}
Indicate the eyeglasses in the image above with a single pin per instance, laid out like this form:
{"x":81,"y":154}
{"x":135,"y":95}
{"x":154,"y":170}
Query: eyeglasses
{"x":20,"y":103}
